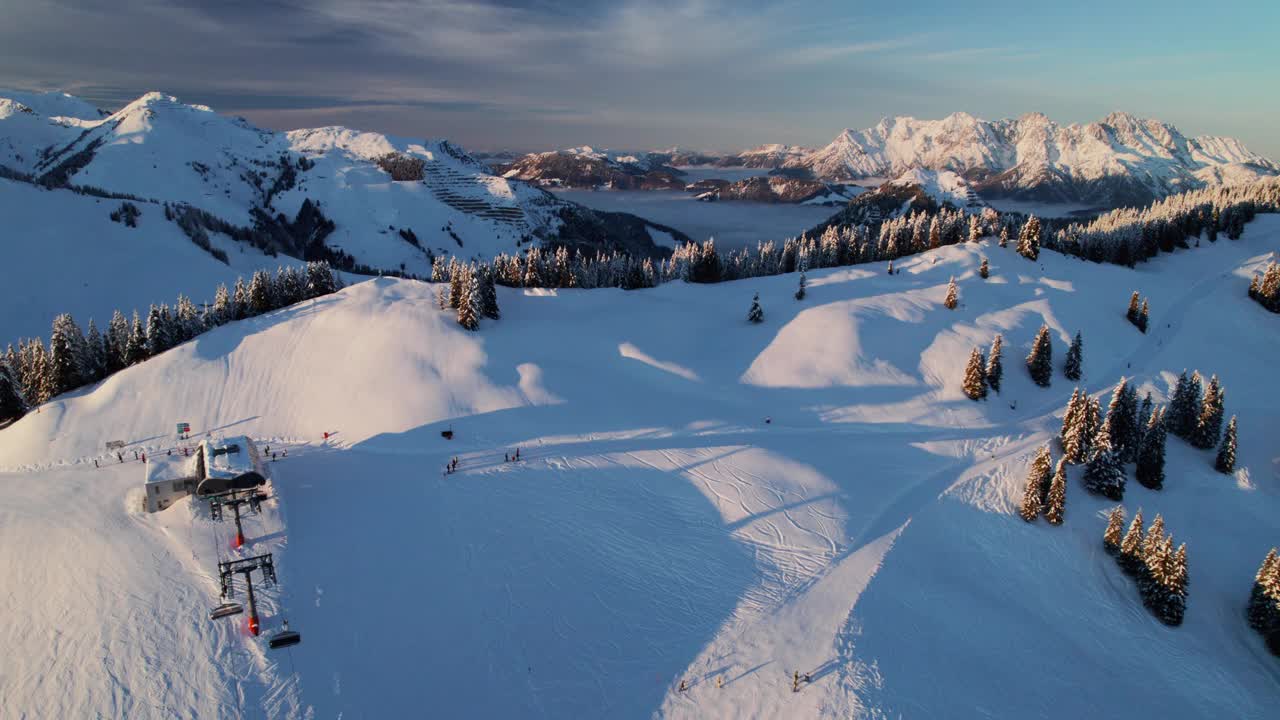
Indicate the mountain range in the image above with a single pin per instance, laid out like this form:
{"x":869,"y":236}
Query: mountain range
{"x":1117,"y":161}
{"x":359,"y":199}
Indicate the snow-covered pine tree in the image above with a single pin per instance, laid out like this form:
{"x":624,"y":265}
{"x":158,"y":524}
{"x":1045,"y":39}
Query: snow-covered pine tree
{"x":1264,"y":600}
{"x":975,"y":232}
{"x":63,"y":372}
{"x":800,"y":290}
{"x":260,"y":293}
{"x":1071,"y":368}
{"x":438,"y":273}
{"x":95,"y":367}
{"x":1154,"y":538}
{"x":468,"y":299}
{"x":935,"y":234}
{"x":756,"y":313}
{"x":975,"y":376}
{"x":1078,"y":440}
{"x":320,"y":280}
{"x":455,"y":283}
{"x":1135,"y":305}
{"x":239,"y":301}
{"x":135,"y":349}
{"x":984,"y":270}
{"x":1160,"y":589}
{"x":1150,"y":459}
{"x":117,"y":339}
{"x":157,"y":334}
{"x":1112,"y":536}
{"x":1038,"y":476}
{"x":1130,"y":558}
{"x":488,"y":294}
{"x":1144,"y":417}
{"x":1070,"y":416}
{"x":1104,"y":475}
{"x":1226,"y":460}
{"x":1055,"y":503}
{"x":222,"y":310}
{"x":1029,"y":239}
{"x":953,"y":295}
{"x":1122,"y":416}
{"x":1184,"y":407}
{"x":1208,"y":429}
{"x":1004,"y":236}
{"x":995,"y":368}
{"x":12,"y":403}
{"x":442,"y":299}
{"x":1040,"y":360}
{"x":1144,"y":316}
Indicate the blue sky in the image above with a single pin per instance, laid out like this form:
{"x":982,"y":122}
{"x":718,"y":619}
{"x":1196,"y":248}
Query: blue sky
{"x":632,"y":73}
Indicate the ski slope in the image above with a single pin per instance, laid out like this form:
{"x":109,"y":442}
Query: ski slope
{"x":657,"y":529}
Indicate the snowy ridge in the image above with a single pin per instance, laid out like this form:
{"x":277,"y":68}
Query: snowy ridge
{"x":659,"y":531}
{"x":439,"y":202}
{"x":1120,"y":159}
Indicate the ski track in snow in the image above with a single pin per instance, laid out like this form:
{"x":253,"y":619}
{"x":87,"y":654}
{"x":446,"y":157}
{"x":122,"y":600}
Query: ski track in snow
{"x":655,"y":529}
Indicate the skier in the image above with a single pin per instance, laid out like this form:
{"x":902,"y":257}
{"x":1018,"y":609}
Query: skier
{"x":506,"y":457}
{"x":517,"y":454}
{"x":144,"y":457}
{"x":684,"y":686}
{"x":95,"y":462}
{"x":120,"y":457}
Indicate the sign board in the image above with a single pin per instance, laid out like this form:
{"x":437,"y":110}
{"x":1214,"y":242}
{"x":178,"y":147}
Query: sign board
{"x":115,"y":444}
{"x":184,"y":428}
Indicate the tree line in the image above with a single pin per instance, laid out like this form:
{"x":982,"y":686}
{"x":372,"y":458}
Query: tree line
{"x":33,"y":372}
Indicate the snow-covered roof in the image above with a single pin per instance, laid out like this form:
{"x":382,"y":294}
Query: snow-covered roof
{"x":162,"y":468}
{"x":229,"y":457}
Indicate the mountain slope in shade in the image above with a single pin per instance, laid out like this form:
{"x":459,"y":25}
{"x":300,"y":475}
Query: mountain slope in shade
{"x":1120,"y":159}
{"x":394,"y":202}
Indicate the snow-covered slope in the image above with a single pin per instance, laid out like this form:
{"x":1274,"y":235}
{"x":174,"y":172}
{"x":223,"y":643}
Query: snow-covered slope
{"x":394,"y":201}
{"x":62,"y":253}
{"x":35,"y":121}
{"x":1120,"y":159}
{"x":944,"y":186}
{"x":657,"y":528}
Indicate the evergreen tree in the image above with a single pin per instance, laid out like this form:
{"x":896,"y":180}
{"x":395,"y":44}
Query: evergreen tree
{"x":1040,"y":360}
{"x":1131,"y":560}
{"x":1037,"y":478}
{"x":96,"y":359}
{"x":1029,"y":239}
{"x":1055,"y":503}
{"x":1150,"y":469}
{"x":320,"y":280}
{"x":488,"y":294}
{"x":1122,"y":416}
{"x":1264,"y":600}
{"x":1004,"y":236}
{"x":953,"y":295}
{"x":1104,"y":475}
{"x":63,"y":371}
{"x":995,"y":368}
{"x":975,"y":376}
{"x":469,"y":300}
{"x":135,"y":348}
{"x":755,"y":314}
{"x":975,"y":232}
{"x":1208,"y":428}
{"x":260,"y":293}
{"x":800,"y":290}
{"x":1144,"y":317}
{"x":1135,"y":305}
{"x":984,"y":270}
{"x":117,"y":341}
{"x":442,"y":300}
{"x":1184,"y":406}
{"x":1071,"y":416}
{"x":222,"y":311}
{"x":1144,"y":418}
{"x":239,"y":301}
{"x":1226,"y":460}
{"x":455,"y":283}
{"x":1154,"y":539}
{"x":157,"y":334}
{"x":1114,"y":533}
{"x":12,"y":403}
{"x":1078,"y":440}
{"x":1072,"y":367}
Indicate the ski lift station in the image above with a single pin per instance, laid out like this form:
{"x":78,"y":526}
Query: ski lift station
{"x":215,"y":467}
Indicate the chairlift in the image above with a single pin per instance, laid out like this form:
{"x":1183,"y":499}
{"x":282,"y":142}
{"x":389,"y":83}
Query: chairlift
{"x":226,"y":610}
{"x":285,"y":638}
{"x":447,"y":434}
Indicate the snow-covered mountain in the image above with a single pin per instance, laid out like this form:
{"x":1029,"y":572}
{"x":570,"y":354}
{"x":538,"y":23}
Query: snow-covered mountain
{"x":661,"y":549}
{"x":1121,"y":159}
{"x":393,"y":202}
{"x":587,"y":167}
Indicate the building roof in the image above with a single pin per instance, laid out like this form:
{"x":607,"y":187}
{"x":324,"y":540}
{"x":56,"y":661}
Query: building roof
{"x":162,"y":468}
{"x":229,"y":457}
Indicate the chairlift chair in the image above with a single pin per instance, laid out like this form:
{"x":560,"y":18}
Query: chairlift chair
{"x":226,"y":610}
{"x":285,"y":638}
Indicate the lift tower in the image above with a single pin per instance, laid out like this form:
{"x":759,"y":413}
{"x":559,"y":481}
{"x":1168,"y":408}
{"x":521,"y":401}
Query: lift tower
{"x":246,"y":566}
